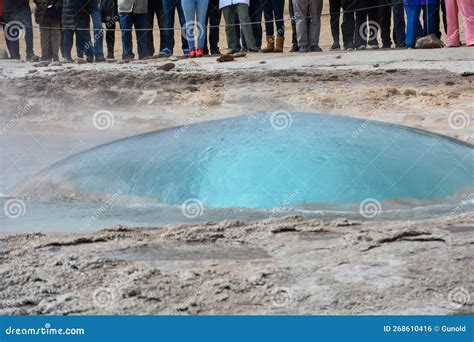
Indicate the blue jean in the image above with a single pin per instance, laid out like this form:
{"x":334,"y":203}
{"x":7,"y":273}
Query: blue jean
{"x":195,"y":11}
{"x":255,"y":14}
{"x":170,"y":6}
{"x":24,"y":16}
{"x":273,"y":11}
{"x":82,"y":43}
{"x":414,"y":28}
{"x":127,"y":21}
{"x":98,"y":32}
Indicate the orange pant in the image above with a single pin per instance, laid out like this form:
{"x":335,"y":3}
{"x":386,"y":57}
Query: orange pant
{"x":466,"y":7}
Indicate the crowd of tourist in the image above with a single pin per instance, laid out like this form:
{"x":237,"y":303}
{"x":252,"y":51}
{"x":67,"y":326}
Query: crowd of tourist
{"x":62,"y":22}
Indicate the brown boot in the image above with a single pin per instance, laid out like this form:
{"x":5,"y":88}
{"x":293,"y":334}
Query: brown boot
{"x":270,"y":44}
{"x":280,"y":41}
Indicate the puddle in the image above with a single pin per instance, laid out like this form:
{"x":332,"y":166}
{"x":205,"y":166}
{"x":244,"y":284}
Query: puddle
{"x":189,"y":251}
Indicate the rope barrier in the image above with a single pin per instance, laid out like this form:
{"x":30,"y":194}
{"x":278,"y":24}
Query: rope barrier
{"x":209,"y":26}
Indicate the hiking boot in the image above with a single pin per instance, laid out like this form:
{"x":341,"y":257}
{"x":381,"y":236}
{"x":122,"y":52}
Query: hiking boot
{"x":270,"y":45}
{"x":315,"y":48}
{"x":280,"y":42}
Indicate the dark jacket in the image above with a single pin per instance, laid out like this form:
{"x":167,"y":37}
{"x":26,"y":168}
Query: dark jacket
{"x":108,"y":10}
{"x":14,"y":6}
{"x":51,"y":9}
{"x":75,"y":13}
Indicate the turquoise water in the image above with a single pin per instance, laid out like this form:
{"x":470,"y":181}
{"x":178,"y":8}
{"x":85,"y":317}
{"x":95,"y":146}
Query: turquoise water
{"x":270,"y":160}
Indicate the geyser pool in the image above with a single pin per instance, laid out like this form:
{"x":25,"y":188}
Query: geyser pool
{"x":269,"y":160}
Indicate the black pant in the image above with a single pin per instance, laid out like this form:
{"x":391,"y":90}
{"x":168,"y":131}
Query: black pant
{"x":294,"y":40}
{"x":385,"y":21}
{"x":348,"y":23}
{"x":366,"y":31}
{"x":213,"y":20}
{"x":155,"y":8}
{"x":110,"y":37}
{"x":442,"y":8}
{"x":255,"y":15}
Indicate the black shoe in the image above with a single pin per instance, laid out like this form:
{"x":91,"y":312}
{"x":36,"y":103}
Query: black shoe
{"x":216,"y":52}
{"x":349,"y":47}
{"x":110,"y":55}
{"x":361,"y":47}
{"x":254,"y":49}
{"x":315,"y":48}
{"x":31,"y":57}
{"x":90,"y":59}
{"x":335,"y":47}
{"x":387,"y":46}
{"x":231,"y":51}
{"x":294,"y":48}
{"x":304,"y":49}
{"x":99,"y":59}
{"x":68,"y":60}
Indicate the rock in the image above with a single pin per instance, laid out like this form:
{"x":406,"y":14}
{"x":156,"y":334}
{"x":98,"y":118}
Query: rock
{"x":32,"y":71}
{"x":338,"y":57}
{"x":225,"y":58}
{"x":239,"y":54}
{"x":42,"y":64}
{"x":262,"y":62}
{"x":409,"y":92}
{"x":429,"y":42}
{"x":56,"y":64}
{"x":128,"y":292}
{"x":467,"y":74}
{"x":391,"y":71}
{"x":188,"y":275}
{"x":376,"y":65}
{"x":3,"y":54}
{"x":166,"y":66}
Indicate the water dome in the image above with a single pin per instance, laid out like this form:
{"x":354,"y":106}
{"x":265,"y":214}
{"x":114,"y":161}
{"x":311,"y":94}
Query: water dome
{"x":268,"y":160}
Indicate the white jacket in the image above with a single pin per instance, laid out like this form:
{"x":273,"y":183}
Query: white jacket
{"x":225,"y":3}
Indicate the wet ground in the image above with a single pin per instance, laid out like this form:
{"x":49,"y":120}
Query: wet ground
{"x":310,"y":266}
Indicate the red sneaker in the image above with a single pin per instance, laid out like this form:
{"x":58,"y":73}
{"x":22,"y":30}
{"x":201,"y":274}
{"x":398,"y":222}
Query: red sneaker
{"x":192,"y":53}
{"x":199,"y":53}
